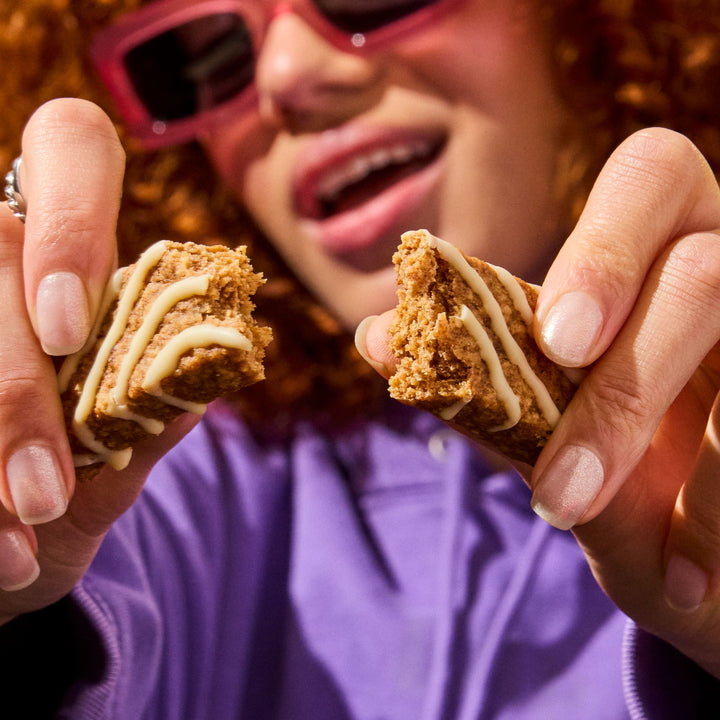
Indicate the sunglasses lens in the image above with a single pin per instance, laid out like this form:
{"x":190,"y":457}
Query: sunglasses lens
{"x":193,"y":67}
{"x":353,"y":16}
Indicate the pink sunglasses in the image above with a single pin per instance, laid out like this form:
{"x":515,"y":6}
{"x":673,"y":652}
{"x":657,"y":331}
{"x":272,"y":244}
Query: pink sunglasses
{"x":176,"y":67}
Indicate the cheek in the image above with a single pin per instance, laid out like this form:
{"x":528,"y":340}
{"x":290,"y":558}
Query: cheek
{"x":257,"y":172}
{"x":256,"y":189}
{"x":266,"y":193}
{"x":239,"y":152}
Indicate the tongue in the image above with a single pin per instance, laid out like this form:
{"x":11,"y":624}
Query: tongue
{"x":369,"y":187}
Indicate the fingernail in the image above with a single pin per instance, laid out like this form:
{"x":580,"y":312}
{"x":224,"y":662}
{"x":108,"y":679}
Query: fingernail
{"x":685,"y":584}
{"x":568,"y":486}
{"x":571,"y":328}
{"x":18,"y":566}
{"x":63,"y":315}
{"x":361,"y":345}
{"x":36,"y":485}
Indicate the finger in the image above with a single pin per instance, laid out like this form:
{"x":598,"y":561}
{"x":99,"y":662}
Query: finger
{"x":99,"y":502}
{"x":372,"y":341}
{"x":693,"y":546}
{"x":36,"y":473}
{"x":655,"y":188}
{"x":611,"y":421}
{"x":19,"y":567}
{"x":66,"y":547}
{"x":71,"y":178}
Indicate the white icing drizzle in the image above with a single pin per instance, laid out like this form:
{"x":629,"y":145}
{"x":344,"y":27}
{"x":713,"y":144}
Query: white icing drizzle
{"x":71,"y":362}
{"x":167,"y":299}
{"x":115,"y":458}
{"x":86,"y":459}
{"x":517,"y":294}
{"x":186,"y":405}
{"x":161,"y":366}
{"x":499,"y":325}
{"x":123,"y":412}
{"x":452,"y":410}
{"x":147,"y":261}
{"x":165,"y":362}
{"x":488,"y":353}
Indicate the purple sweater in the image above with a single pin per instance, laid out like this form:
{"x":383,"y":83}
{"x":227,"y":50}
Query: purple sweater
{"x":388,"y":574}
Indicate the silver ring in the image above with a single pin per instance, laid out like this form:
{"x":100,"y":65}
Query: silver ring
{"x":15,"y":200}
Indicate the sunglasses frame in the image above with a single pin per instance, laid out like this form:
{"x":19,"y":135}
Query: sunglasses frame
{"x":111,"y":45}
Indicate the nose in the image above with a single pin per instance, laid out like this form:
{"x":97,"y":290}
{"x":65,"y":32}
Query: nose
{"x":302,"y":79}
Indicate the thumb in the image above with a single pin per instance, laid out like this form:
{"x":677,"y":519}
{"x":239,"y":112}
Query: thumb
{"x":97,"y":503}
{"x":372,"y":342}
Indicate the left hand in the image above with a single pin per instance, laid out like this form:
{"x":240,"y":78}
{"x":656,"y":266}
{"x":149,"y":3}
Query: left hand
{"x":634,"y":464}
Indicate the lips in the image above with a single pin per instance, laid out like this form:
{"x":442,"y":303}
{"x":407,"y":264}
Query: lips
{"x":355,"y":184}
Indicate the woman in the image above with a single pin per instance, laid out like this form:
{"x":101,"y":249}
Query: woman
{"x":378,"y":566}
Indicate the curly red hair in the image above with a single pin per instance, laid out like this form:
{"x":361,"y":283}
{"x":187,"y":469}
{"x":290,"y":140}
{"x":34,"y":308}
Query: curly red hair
{"x":621,"y":65}
{"x":618,"y":64}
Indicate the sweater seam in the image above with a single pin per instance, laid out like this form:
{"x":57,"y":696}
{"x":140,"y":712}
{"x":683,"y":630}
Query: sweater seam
{"x":633,"y":698}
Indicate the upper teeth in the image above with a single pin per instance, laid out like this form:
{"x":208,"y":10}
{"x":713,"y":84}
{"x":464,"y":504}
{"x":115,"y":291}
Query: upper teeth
{"x":360,"y":167}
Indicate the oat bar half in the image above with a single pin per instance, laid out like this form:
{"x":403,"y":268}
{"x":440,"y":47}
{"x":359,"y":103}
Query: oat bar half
{"x":463,"y":338}
{"x":175,"y":332}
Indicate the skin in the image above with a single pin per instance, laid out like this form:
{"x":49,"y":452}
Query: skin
{"x":329,"y":98}
{"x":643,"y":264}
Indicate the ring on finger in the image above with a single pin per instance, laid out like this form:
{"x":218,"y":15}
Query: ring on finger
{"x":15,"y":200}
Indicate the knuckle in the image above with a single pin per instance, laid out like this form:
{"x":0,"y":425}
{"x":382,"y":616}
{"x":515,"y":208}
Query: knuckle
{"x":19,"y":389}
{"x":701,"y":526}
{"x":617,"y":404}
{"x":604,"y":261}
{"x":66,"y":227}
{"x":694,"y":265}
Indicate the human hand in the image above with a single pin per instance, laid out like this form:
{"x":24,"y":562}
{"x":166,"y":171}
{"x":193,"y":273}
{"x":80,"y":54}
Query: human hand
{"x":632,"y":466}
{"x":53,"y":270}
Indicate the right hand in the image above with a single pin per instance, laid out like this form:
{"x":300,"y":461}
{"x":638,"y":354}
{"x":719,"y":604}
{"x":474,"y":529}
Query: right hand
{"x":53,"y":271}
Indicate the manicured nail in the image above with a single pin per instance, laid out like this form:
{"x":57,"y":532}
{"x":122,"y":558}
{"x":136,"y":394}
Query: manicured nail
{"x":63,"y":315}
{"x":18,"y":566}
{"x":36,"y":485}
{"x":568,"y":486}
{"x":361,"y":345}
{"x":685,"y":584}
{"x":571,"y":328}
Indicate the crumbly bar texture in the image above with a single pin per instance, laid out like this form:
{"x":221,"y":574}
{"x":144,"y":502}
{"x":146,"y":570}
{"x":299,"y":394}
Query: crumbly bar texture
{"x":176,"y":331}
{"x":462,"y":335}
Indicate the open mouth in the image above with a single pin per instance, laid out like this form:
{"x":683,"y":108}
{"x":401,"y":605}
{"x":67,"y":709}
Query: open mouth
{"x":358,"y":179}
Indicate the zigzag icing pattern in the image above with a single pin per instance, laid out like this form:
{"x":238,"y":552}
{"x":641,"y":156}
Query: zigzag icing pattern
{"x":162,"y":366}
{"x":515,"y":354}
